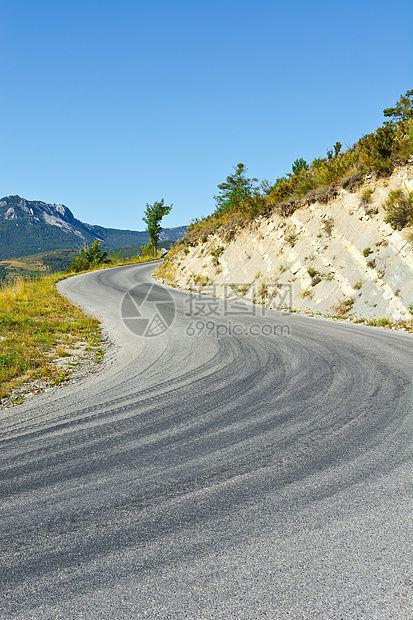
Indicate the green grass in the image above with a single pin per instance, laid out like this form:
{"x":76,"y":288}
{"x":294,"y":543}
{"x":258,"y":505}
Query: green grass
{"x":36,"y":324}
{"x":37,"y":327}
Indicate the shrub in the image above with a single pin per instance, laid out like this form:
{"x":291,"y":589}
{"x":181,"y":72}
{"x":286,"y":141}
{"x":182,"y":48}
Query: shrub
{"x":78,"y":264}
{"x":404,"y":142}
{"x":291,"y":239}
{"x":328,"y":225}
{"x":263,"y":290}
{"x":147,"y":250}
{"x":383,"y":322}
{"x":282,"y":189}
{"x":366,"y":195}
{"x":376,"y":149}
{"x":366,"y":252}
{"x":201,"y":280}
{"x":399,"y":209}
{"x":88,"y":258}
{"x":217,"y":251}
{"x":343,"y":306}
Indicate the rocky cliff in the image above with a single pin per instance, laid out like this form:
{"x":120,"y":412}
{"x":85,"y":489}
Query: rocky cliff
{"x":329,"y":258}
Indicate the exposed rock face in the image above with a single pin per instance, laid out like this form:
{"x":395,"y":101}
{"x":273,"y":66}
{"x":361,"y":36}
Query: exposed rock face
{"x":328,"y":258}
{"x":14,"y":207}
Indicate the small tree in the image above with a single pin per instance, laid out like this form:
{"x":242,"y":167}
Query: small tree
{"x":88,"y":257}
{"x":94,"y":255}
{"x":234,"y":191}
{"x":299,"y":165}
{"x":152,"y":218}
{"x":403,"y":109}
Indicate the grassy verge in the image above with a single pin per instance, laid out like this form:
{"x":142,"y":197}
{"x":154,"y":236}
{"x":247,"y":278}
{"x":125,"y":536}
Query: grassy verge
{"x":39,"y":327}
{"x":43,"y":337}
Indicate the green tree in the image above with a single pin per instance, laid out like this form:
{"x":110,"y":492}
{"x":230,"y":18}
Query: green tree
{"x":88,"y":257}
{"x":234,"y":191}
{"x":299,"y":165}
{"x":403,"y":109}
{"x":94,"y":255}
{"x":152,"y":218}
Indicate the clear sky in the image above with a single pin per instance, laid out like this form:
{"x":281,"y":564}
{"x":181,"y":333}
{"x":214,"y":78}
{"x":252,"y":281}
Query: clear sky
{"x":109,"y":105}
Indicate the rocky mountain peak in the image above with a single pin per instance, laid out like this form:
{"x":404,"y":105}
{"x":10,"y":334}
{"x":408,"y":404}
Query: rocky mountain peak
{"x":30,"y":226}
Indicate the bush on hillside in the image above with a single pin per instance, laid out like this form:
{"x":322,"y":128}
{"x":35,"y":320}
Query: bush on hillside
{"x":240,"y":199}
{"x":399,"y":209}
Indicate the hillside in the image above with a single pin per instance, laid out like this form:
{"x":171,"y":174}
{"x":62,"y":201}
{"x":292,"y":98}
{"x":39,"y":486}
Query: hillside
{"x":330,"y":238}
{"x":333,"y":256}
{"x":31,"y":265}
{"x":29,"y":227}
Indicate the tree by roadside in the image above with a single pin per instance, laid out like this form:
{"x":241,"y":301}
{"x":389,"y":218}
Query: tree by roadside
{"x":152,"y":218}
{"x":88,"y":257}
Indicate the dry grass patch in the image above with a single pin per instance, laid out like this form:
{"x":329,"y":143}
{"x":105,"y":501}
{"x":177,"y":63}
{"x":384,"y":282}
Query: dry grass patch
{"x":37,"y":328}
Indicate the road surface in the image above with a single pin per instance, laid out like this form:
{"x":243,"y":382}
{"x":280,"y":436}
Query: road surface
{"x":207,"y":474}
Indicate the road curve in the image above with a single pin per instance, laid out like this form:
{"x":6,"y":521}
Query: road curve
{"x":207,"y":474}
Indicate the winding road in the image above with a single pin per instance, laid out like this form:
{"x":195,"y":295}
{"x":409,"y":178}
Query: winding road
{"x":210,"y":472}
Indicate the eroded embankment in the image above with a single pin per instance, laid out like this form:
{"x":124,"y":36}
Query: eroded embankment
{"x":337,"y":258}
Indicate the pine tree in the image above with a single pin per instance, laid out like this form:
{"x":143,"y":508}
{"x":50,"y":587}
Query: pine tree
{"x":234,"y":190}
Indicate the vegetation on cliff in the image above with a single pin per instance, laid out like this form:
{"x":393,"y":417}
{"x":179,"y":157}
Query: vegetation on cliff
{"x":241,"y":199}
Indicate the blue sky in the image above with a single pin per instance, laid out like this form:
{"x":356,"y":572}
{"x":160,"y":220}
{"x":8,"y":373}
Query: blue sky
{"x":106,"y":106}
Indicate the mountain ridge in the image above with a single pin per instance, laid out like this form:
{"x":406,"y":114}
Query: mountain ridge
{"x":31,"y":226}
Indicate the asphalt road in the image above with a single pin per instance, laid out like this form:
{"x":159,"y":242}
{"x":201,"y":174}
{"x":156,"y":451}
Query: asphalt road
{"x":210,"y":475}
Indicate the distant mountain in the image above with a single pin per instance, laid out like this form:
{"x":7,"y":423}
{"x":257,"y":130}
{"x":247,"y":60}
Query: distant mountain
{"x":30,"y":226}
